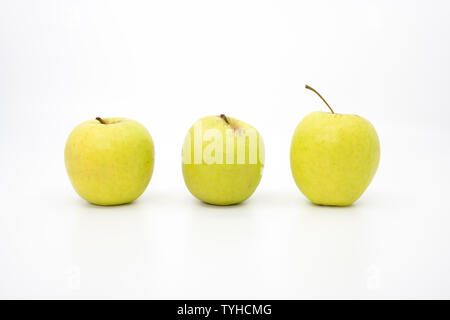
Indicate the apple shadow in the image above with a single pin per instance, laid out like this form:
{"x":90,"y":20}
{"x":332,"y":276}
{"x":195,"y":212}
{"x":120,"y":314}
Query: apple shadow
{"x":98,"y":207}
{"x":204,"y":204}
{"x":329,"y":207}
{"x":295,"y":201}
{"x":323,"y":210}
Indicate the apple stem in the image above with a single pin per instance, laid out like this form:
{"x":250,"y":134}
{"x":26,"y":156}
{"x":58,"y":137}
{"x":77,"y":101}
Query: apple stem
{"x":100,"y":120}
{"x":225,"y":118}
{"x":308,"y":87}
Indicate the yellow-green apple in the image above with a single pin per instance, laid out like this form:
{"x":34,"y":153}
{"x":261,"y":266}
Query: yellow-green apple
{"x":334,"y":156}
{"x":110,"y":160}
{"x":223,"y":160}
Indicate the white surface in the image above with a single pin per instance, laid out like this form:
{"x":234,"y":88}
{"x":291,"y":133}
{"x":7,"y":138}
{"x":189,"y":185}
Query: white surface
{"x":168,"y":63}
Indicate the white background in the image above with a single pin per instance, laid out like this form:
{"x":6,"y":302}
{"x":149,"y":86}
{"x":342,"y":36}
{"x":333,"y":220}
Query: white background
{"x":168,"y":63}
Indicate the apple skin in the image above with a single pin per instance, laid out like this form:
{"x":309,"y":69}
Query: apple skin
{"x":226,"y":183}
{"x":334,"y":157}
{"x":112,"y":163}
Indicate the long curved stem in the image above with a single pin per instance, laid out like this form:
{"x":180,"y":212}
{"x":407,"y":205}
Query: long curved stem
{"x":308,"y":87}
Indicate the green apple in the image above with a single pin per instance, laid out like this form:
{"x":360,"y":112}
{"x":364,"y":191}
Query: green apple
{"x":334,"y":156}
{"x":109,"y":161}
{"x":223,"y":160}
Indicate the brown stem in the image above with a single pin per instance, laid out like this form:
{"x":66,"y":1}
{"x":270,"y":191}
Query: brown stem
{"x":308,"y":87}
{"x":100,"y":120}
{"x":225,"y":118}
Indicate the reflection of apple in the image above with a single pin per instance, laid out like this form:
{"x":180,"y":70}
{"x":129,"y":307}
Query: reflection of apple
{"x":223,"y":160}
{"x":109,"y":161}
{"x":334,"y":157}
